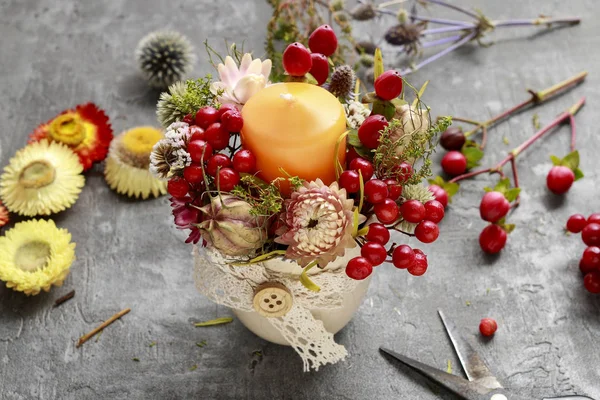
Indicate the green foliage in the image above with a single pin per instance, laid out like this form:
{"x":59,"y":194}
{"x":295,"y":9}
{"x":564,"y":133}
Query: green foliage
{"x":196,"y":95}
{"x":473,"y":155}
{"x":570,"y":161}
{"x":264,"y":198}
{"x":503,"y":186}
{"x":450,"y":187}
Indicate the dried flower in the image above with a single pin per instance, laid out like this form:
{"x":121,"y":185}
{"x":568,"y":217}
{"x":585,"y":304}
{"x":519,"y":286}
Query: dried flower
{"x":169,"y":155}
{"x":365,"y":47}
{"x":356,"y":113}
{"x":237,"y":85}
{"x":413,"y":121}
{"x":318,"y":223}
{"x":187,"y":215}
{"x":364,"y":12}
{"x":403,"y":34}
{"x":342,"y":82}
{"x":167,"y":109}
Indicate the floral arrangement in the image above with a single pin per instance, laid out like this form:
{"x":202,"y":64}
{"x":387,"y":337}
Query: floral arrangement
{"x":227,"y":155}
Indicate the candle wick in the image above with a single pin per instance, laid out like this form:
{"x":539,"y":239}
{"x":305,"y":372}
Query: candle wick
{"x":288,"y":96}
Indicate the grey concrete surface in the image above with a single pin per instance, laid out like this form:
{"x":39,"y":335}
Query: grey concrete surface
{"x":55,"y":54}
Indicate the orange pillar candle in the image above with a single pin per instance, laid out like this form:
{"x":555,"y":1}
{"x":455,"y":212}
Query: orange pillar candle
{"x":294,"y":127}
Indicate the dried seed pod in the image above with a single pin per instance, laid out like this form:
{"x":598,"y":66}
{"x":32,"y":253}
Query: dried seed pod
{"x":342,"y":82}
{"x":336,"y":5}
{"x":340,"y":17}
{"x":403,"y":34}
{"x":367,"y":60}
{"x":363,"y":12}
{"x":366,"y":47}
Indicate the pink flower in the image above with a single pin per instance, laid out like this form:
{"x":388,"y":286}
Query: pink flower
{"x":186,"y":217}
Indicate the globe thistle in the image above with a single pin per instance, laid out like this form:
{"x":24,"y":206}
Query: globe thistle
{"x":342,"y":82}
{"x":365,"y":47}
{"x":164,"y":57}
{"x":336,"y":5}
{"x":418,"y":192}
{"x":403,"y":34}
{"x":364,"y":12}
{"x":167,"y":111}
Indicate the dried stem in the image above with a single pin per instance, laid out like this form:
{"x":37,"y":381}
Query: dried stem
{"x":537,"y":21}
{"x":64,"y":298}
{"x":513,"y":166}
{"x":441,"y":41}
{"x":454,"y":7}
{"x":106,"y":323}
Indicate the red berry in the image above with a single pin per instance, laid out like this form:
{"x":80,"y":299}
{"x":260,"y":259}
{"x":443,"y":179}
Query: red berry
{"x":576,"y":223}
{"x":374,"y":252}
{"x":376,"y":191}
{"x":488,"y":327}
{"x":427,"y":232}
{"x":227,"y":179}
{"x":193,"y":173}
{"x":351,"y":154}
{"x":232,"y":121}
{"x":196,"y":133}
{"x":386,"y":211}
{"x":378,"y":233}
{"x":394,"y":189}
{"x":296,"y":60}
{"x":244,"y":162}
{"x":320,"y":68}
{"x":454,"y":163}
{"x":412,"y":211}
{"x":370,"y":130}
{"x":188,"y":119}
{"x":418,"y":251}
{"x":359,"y":268}
{"x":594,"y":219}
{"x":493,"y":206}
{"x":388,"y":85}
{"x":492,"y":239}
{"x":365,"y":167}
{"x":591,"y":234}
{"x":323,"y":40}
{"x":591,"y":281}
{"x":434,"y":211}
{"x":404,"y":171}
{"x":453,"y":138}
{"x":403,"y":256}
{"x":206,"y":116}
{"x":350,"y":181}
{"x":419,"y":267}
{"x":440,"y":194}
{"x":590,"y":259}
{"x":217,"y":136}
{"x":178,"y":187}
{"x":560,"y":179}
{"x":216,"y":161}
{"x":224,"y":108}
{"x":199,"y":150}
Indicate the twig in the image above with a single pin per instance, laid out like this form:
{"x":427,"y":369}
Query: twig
{"x":454,"y":7}
{"x":441,"y":41}
{"x":513,"y":165}
{"x":445,"y":29}
{"x":106,"y":323}
{"x":64,"y":298}
{"x":537,"y":21}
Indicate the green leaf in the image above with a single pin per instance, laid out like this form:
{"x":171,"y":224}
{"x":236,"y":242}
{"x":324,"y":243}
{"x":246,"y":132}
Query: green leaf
{"x":571,"y":160}
{"x":488,"y":189}
{"x":305,"y":280}
{"x":364,"y":152}
{"x":578,"y":174}
{"x":451,"y":188}
{"x":212,"y":322}
{"x":378,"y":68}
{"x":503,"y":185}
{"x":311,"y":79}
{"x":512,"y":194}
{"x":389,"y":110}
{"x":353,"y":139}
{"x":556,"y":160}
{"x":370,"y":97}
{"x":473,"y":155}
{"x":420,"y":94}
{"x":438,"y":180}
{"x":509,"y":227}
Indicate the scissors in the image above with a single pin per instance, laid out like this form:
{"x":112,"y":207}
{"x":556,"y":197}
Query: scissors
{"x":481,"y":383}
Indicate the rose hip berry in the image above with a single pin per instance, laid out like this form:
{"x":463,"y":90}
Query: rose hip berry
{"x":453,"y":138}
{"x":576,"y":223}
{"x":591,"y":281}
{"x":394,"y":189}
{"x":193,"y":173}
{"x":378,"y":233}
{"x":492,"y":239}
{"x":590,"y":259}
{"x":591,"y":234}
{"x":244,"y":162}
{"x":206,"y":116}
{"x":440,"y":194}
{"x":320,"y":68}
{"x":405,"y":171}
{"x":374,"y":252}
{"x":560,"y":179}
{"x":215,"y":162}
{"x":388,"y":85}
{"x":297,"y":60}
{"x":196,"y":133}
{"x":427,"y":231}
{"x":454,"y":163}
{"x":359,"y":268}
{"x":178,"y":187}
{"x":403,"y":256}
{"x":488,"y":327}
{"x":227,"y":179}
{"x":386,"y":211}
{"x":493,"y":207}
{"x":594,"y":218}
{"x":376,"y":191}
{"x":419,"y":267}
{"x":434,"y":211}
{"x":224,"y":108}
{"x":370,"y":130}
{"x":365,"y":167}
{"x":232,"y":121}
{"x":323,"y":40}
{"x":188,"y":119}
{"x":350,"y":181}
{"x":199,"y":150}
{"x":217,"y":136}
{"x":413,"y":211}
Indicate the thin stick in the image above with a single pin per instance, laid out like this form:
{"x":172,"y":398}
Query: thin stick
{"x":440,"y":54}
{"x":455,"y":8}
{"x":64,"y":298}
{"x":445,"y":29}
{"x":106,"y":323}
{"x":537,"y":21}
{"x":513,"y":165}
{"x":572,"y":122}
{"x":441,"y":41}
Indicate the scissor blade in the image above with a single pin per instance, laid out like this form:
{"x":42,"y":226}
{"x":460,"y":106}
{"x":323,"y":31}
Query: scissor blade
{"x":475,"y":368}
{"x":457,"y":385}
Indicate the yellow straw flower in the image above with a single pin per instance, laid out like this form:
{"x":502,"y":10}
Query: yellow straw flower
{"x":127,"y":166}
{"x":34,"y":255}
{"x":41,"y":179}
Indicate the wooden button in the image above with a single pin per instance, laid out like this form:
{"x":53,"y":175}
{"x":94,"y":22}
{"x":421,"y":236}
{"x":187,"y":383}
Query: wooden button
{"x":272,"y":299}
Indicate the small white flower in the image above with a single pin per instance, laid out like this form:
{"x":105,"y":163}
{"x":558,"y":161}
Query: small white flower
{"x":238,"y":84}
{"x":356,"y":113}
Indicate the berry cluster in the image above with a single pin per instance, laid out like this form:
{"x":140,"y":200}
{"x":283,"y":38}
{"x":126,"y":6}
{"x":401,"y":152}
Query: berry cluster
{"x":299,"y":61}
{"x":590,"y":261}
{"x":454,"y":162}
{"x":210,"y":131}
{"x":493,"y":208}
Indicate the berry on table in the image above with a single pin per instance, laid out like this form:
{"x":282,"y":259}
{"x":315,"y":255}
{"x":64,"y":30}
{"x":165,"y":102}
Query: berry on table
{"x":215,"y":162}
{"x":493,"y":207}
{"x":453,"y":138}
{"x":594,"y":218}
{"x":244,"y":162}
{"x":454,"y":163}
{"x":591,"y":234}
{"x":376,"y":191}
{"x":199,"y":150}
{"x":412,"y":211}
{"x":560,"y":179}
{"x":365,"y":167}
{"x":297,"y":60}
{"x":488,"y":327}
{"x":576,"y":223}
{"x":378,"y":233}
{"x":206,"y":116}
{"x":394,"y":189}
{"x":590,"y":259}
{"x":427,"y":231}
{"x":227,"y":179}
{"x":374,"y":252}
{"x":440,"y":194}
{"x":217,"y":136}
{"x":232,"y":121}
{"x":591,"y":281}
{"x":370,"y":130}
{"x":320,"y":68}
{"x":386,"y":211}
{"x":350,"y":181}
{"x":419,"y":267}
{"x":388,"y":85}
{"x":178,"y":187}
{"x":196,"y":133}
{"x":193,"y":173}
{"x":492,"y":239}
{"x":323,"y":40}
{"x":359,"y":268}
{"x":434,"y":211}
{"x":403,"y":256}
